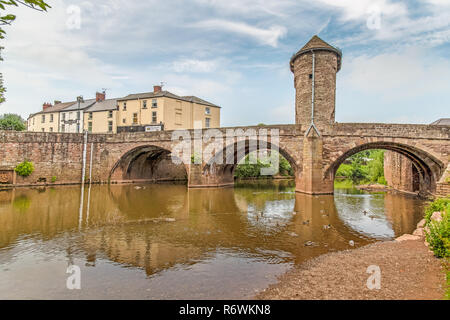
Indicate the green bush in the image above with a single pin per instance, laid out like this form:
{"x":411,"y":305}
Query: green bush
{"x":439,"y":205}
{"x":25,"y":168}
{"x":54,"y":179}
{"x":439,"y":236}
{"x":253,"y":170}
{"x":364,"y":167}
{"x":285,"y":168}
{"x":344,"y":170}
{"x":382,"y":180}
{"x":10,"y":121}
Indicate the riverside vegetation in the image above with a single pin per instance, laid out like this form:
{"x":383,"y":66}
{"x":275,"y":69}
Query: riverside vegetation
{"x":363,"y":167}
{"x":437,"y":233}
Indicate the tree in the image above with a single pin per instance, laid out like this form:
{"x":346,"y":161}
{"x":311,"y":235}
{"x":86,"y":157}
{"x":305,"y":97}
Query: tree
{"x":10,"y":121}
{"x":356,"y":172}
{"x":7,"y":19}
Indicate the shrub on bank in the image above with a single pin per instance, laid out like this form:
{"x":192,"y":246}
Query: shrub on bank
{"x":24,"y":169}
{"x":438,"y":233}
{"x":438,"y":236}
{"x":438,"y":205}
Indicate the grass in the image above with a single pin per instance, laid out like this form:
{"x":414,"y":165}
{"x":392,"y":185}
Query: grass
{"x":343,"y":184}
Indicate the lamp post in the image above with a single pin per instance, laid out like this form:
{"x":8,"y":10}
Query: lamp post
{"x":79,"y":100}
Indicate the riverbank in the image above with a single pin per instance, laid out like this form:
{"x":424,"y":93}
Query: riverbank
{"x":409,"y":271}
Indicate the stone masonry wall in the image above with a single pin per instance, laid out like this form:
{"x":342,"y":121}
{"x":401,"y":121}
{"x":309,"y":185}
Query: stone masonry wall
{"x":398,"y":172}
{"x":325,"y":88}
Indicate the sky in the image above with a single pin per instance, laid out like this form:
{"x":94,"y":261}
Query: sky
{"x":234,"y":53}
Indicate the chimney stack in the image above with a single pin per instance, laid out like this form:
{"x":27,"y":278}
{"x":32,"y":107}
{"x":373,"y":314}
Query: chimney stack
{"x":46,"y":105}
{"x":100,"y":96}
{"x":157,"y":89}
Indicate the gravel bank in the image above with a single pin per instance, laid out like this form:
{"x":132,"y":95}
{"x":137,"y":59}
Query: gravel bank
{"x":408,"y":271}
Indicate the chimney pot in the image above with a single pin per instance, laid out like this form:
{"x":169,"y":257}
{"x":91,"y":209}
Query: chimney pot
{"x":46,"y":105}
{"x":100,"y":96}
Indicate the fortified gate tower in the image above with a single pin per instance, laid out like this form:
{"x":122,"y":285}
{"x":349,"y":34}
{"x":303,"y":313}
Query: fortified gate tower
{"x":315,"y":67}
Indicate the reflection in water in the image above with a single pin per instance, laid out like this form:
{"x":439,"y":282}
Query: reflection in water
{"x":165,"y":241}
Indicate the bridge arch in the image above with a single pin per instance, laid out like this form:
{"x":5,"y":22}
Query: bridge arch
{"x":429,"y":168}
{"x":147,"y":163}
{"x":217,"y":169}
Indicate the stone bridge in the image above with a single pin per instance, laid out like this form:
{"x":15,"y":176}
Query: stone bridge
{"x":146,"y":156}
{"x":315,"y":145}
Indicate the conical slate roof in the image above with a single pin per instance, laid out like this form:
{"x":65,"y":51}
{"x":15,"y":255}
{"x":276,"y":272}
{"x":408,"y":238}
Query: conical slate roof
{"x":317,"y":44}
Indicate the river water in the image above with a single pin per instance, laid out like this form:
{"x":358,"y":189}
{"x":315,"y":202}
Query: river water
{"x":167,"y":242}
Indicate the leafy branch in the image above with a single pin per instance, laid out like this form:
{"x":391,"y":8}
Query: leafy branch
{"x":7,"y":19}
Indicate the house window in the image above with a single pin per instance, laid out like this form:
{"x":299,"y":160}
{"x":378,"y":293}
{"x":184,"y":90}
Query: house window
{"x":78,"y":127}
{"x":63,"y":117}
{"x":90,"y":116}
{"x":90,"y":126}
{"x":110,"y":114}
{"x":51,"y":129}
{"x":63,"y":128}
{"x":43,"y":118}
{"x":135,"y":118}
{"x":33,"y":121}
{"x":110,"y":126}
{"x":207,"y":110}
{"x":207,"y":122}
{"x":51,"y":117}
{"x":154,"y":103}
{"x":78,"y":115}
{"x":124,"y":120}
{"x":154,"y":118}
{"x":144,"y":104}
{"x":124,"y":106}
{"x":43,"y":130}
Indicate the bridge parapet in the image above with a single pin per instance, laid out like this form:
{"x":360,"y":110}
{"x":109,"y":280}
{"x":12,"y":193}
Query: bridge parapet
{"x":415,"y":131}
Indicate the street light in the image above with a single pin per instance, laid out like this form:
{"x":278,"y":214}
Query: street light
{"x":80,"y":100}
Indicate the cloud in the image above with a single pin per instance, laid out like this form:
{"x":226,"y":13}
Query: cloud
{"x":394,"y":87}
{"x":193,"y":65}
{"x":283,"y":114}
{"x":398,"y":75}
{"x":268,"y":36}
{"x":361,"y":9}
{"x":275,"y":8}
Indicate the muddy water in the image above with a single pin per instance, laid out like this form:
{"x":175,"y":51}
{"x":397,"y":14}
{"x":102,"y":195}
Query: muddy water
{"x":168,"y":242}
